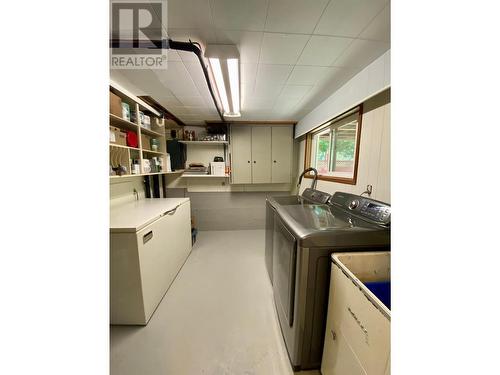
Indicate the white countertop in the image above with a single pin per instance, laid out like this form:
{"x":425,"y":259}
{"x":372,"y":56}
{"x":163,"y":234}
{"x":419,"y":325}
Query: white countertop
{"x":133,"y":216}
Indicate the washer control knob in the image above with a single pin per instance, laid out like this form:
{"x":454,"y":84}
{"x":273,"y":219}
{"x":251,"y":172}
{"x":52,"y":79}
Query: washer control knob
{"x":353,"y":204}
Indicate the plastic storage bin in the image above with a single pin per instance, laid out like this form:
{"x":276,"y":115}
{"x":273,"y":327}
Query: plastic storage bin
{"x":357,"y":338}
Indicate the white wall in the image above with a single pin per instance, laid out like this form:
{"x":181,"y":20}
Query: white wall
{"x":370,"y":81}
{"x":374,"y":154}
{"x":121,"y":190}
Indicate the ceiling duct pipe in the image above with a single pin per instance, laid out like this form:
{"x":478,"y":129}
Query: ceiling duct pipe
{"x":190,"y":46}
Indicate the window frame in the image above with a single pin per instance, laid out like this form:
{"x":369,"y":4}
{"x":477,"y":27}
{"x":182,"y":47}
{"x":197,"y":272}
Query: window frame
{"x":307,"y":159}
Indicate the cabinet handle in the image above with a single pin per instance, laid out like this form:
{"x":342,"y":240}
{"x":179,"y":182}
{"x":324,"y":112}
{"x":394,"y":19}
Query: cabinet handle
{"x":249,"y":161}
{"x":274,"y":161}
{"x":254,"y":162}
{"x":147,"y":237}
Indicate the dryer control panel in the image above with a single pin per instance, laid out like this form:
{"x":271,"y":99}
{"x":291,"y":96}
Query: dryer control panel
{"x":369,"y":209}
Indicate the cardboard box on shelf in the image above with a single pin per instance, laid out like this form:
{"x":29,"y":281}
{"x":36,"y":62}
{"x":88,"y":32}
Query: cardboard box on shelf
{"x":115,"y":105}
{"x":146,"y":142}
{"x":117,"y":136}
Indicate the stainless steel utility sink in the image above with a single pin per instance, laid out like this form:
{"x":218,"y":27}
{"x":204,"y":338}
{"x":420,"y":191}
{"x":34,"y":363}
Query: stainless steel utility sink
{"x":291,"y":200}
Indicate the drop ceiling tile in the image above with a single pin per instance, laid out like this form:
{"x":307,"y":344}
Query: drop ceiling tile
{"x":257,"y":116}
{"x":380,"y":28}
{"x":177,"y":79}
{"x":192,"y":101}
{"x":120,"y":76}
{"x":273,"y":74}
{"x":336,"y":77}
{"x":312,"y":99}
{"x":270,"y":79}
{"x":207,"y":113}
{"x":193,"y":14}
{"x":306,"y":75}
{"x":296,"y":91}
{"x":191,"y":117}
{"x":294,"y":16}
{"x":172,"y":55}
{"x":323,"y":50}
{"x":282,"y":48}
{"x":277,"y":115}
{"x":248,"y":73}
{"x":239,"y":14}
{"x":247,"y":42}
{"x":286,"y":104}
{"x":247,"y":91}
{"x":267,"y":90}
{"x":188,"y":56}
{"x":213,"y":118}
{"x":209,"y":102}
{"x":255,"y":103}
{"x":191,"y":111}
{"x":332,"y":81}
{"x":361,"y":53}
{"x":301,"y":112}
{"x":348,"y":17}
{"x":198,"y":77}
{"x":178,"y":110}
{"x":147,"y":82}
{"x":168,"y":101}
{"x":203,"y":36}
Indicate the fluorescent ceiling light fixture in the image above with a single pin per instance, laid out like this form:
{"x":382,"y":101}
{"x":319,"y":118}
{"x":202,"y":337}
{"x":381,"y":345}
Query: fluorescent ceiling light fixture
{"x":225,"y":64}
{"x":219,"y":81}
{"x":234,"y":83}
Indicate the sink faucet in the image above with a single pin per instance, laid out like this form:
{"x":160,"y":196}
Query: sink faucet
{"x":315,"y":179}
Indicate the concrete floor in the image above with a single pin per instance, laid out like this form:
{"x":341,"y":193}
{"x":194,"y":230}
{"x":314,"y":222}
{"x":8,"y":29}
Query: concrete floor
{"x":217,"y":317}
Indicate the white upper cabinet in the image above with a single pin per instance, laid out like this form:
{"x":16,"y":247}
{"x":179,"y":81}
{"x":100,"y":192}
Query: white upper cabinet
{"x":261,"y":154}
{"x":281,"y":154}
{"x":241,"y":155}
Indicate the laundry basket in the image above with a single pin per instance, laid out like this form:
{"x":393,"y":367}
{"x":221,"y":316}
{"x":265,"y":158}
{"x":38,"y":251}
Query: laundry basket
{"x":357,"y":338}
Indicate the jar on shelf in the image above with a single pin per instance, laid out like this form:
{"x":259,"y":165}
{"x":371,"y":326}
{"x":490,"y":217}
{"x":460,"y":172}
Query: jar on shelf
{"x":155,"y":144}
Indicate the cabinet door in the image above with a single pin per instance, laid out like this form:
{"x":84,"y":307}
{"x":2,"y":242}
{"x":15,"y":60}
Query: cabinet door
{"x":241,"y":154}
{"x":163,"y":248}
{"x":281,"y":151}
{"x":261,"y":154}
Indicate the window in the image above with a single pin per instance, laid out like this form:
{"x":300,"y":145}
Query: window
{"x":333,"y":148}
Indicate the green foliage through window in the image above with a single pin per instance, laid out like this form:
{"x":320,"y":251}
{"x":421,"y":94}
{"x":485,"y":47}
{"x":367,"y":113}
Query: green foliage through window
{"x":345,"y":149}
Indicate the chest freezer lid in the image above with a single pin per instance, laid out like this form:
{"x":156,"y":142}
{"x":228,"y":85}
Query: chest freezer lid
{"x":136,"y":215}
